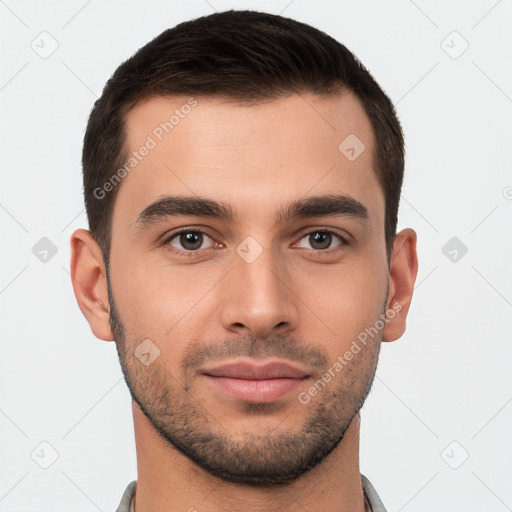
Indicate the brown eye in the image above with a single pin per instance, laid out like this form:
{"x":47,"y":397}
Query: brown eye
{"x":321,"y":240}
{"x":189,"y":240}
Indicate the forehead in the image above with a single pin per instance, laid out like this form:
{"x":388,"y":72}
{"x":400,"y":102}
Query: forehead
{"x":254,"y":157}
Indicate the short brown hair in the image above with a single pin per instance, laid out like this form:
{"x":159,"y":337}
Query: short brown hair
{"x":244,"y":56}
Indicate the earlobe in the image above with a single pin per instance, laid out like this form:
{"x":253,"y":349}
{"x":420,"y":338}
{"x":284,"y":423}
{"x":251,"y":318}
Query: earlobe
{"x":89,"y":283}
{"x":402,"y":276}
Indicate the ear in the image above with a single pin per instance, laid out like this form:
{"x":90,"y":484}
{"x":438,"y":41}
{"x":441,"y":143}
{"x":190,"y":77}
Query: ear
{"x":90,"y":283}
{"x":402,"y":276}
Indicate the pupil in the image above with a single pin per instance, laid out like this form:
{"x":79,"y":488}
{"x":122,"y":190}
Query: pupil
{"x":323,"y":239}
{"x":191,"y":240}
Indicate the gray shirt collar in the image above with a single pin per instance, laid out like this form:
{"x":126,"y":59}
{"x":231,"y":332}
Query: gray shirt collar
{"x":368,"y":490}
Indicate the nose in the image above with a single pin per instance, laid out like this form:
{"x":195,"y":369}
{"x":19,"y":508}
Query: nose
{"x":258,"y":296}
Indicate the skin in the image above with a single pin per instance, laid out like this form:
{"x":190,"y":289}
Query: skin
{"x":290,"y":298}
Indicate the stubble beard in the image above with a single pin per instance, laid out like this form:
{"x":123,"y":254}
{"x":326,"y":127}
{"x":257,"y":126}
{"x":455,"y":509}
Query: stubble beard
{"x":273,"y":457}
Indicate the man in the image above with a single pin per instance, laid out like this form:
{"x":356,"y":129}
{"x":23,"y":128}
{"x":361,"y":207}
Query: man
{"x":242,"y":175}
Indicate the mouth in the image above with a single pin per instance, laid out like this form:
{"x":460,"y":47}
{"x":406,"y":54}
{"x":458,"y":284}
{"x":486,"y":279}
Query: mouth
{"x":256,"y":383}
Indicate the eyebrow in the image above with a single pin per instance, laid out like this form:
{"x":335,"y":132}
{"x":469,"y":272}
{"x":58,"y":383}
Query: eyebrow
{"x":315,"y":206}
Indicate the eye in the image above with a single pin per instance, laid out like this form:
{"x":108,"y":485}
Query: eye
{"x":189,"y":240}
{"x":320,"y":240}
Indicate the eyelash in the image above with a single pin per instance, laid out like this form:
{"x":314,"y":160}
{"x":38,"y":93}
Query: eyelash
{"x":194,"y":253}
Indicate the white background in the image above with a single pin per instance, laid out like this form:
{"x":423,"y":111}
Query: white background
{"x":447,"y":379}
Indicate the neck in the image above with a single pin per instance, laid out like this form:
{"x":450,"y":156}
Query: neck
{"x":168,"y":480}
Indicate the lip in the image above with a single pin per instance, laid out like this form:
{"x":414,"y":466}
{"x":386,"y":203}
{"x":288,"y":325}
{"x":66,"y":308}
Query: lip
{"x":250,"y":371}
{"x":256,"y":383}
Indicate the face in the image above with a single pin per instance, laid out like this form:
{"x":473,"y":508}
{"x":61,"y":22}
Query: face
{"x":247,"y":258}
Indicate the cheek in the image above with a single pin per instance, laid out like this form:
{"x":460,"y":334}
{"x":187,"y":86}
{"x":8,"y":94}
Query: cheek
{"x":345,"y":301}
{"x":156,"y":299}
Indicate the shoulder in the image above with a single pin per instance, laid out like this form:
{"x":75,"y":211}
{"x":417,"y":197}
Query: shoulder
{"x":371,"y":494}
{"x":124,"y":505}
